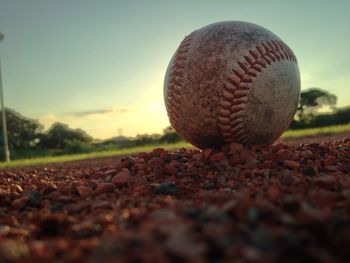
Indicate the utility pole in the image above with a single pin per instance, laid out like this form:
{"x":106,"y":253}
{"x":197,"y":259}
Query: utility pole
{"x":4,"y":126}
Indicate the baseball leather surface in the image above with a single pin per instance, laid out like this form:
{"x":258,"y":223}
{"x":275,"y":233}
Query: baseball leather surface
{"x":231,"y":82}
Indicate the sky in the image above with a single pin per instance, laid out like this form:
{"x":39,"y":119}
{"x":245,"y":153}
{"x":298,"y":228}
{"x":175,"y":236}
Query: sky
{"x":100,"y":65}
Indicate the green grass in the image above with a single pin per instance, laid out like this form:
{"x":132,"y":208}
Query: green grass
{"x":75,"y":157}
{"x":314,"y":131}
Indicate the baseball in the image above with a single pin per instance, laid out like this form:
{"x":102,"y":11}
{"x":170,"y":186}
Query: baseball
{"x":231,"y":82}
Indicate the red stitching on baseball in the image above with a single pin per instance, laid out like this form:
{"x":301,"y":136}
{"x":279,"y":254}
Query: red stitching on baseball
{"x":239,"y":84}
{"x":176,"y":82}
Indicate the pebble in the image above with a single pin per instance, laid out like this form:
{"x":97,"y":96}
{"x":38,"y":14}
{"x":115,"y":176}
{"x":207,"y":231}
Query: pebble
{"x":309,"y":171}
{"x":122,"y":178}
{"x":217,"y":157}
{"x":34,"y":198}
{"x":291,"y":164}
{"x":17,"y":188}
{"x":307,"y":154}
{"x":326,"y":181}
{"x":170,"y":169}
{"x":3,"y":192}
{"x":329,"y":160}
{"x":273,"y":193}
{"x":166,"y":188}
{"x":84,"y":191}
{"x":208,"y":185}
{"x":103,"y":188}
{"x":283,"y":154}
{"x":207,"y":153}
{"x":20,"y":203}
{"x":13,"y":250}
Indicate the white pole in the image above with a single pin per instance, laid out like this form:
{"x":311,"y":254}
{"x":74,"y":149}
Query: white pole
{"x":4,"y":126}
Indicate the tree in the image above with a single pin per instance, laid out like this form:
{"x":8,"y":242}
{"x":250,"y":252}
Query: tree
{"x":23,"y":132}
{"x":170,"y":135}
{"x":311,"y":101}
{"x":59,"y":136}
{"x":146,"y":139}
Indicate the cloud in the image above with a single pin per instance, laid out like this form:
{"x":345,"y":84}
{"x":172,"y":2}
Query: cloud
{"x":94,"y":112}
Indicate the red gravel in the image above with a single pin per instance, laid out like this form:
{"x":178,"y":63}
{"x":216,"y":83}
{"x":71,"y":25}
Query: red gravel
{"x":278,"y":203}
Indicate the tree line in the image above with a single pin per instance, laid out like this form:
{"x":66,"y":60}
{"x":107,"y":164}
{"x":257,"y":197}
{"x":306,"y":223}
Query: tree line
{"x":27,"y":136}
{"x":317,"y":108}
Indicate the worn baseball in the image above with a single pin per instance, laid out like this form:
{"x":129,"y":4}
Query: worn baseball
{"x":231,"y":82}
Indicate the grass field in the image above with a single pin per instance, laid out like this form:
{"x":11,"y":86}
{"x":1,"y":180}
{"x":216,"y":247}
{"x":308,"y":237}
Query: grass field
{"x":75,"y":157}
{"x":314,"y":131}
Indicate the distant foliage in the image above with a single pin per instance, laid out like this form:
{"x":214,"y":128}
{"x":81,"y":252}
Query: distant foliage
{"x":311,"y":101}
{"x":308,"y":114}
{"x":170,"y":135}
{"x":23,"y":132}
{"x":60,"y":136}
{"x":337,"y":117}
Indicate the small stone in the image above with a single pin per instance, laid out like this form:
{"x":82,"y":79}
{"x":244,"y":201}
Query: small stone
{"x":110,"y":172}
{"x":166,"y":188}
{"x":251,"y":254}
{"x":122,"y":178}
{"x":329,"y":160}
{"x":307,"y":154}
{"x":103,"y":188}
{"x":345,"y":168}
{"x":66,"y":190}
{"x":19,"y":203}
{"x":3,"y":192}
{"x":13,"y":251}
{"x":236,"y":147}
{"x":159,"y":151}
{"x":175,"y":163}
{"x":57,"y":207}
{"x":84,"y":191}
{"x":208,"y":185}
{"x":17,"y":188}
{"x":198,"y":156}
{"x":327,"y":182}
{"x":283,"y":154}
{"x":127,"y":162}
{"x":182,"y":245}
{"x":253,"y":215}
{"x":207,"y":153}
{"x":217,"y":157}
{"x":4,"y":230}
{"x":102,"y":205}
{"x":291,"y":164}
{"x":331,"y":168}
{"x":346,"y":193}
{"x":171,"y":170}
{"x":309,"y":215}
{"x":38,"y":249}
{"x":287,"y":219}
{"x":221,"y":180}
{"x":34,"y":198}
{"x":273,"y":192}
{"x":309,"y":171}
{"x":287,"y":179}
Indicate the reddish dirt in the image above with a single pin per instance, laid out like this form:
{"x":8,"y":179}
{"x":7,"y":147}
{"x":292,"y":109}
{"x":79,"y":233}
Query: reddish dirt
{"x":258,"y":204}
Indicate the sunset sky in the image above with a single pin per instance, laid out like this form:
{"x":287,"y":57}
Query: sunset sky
{"x":100,"y":65}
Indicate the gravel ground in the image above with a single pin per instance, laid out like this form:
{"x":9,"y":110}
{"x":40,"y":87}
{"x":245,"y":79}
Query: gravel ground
{"x":277,"y":203}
